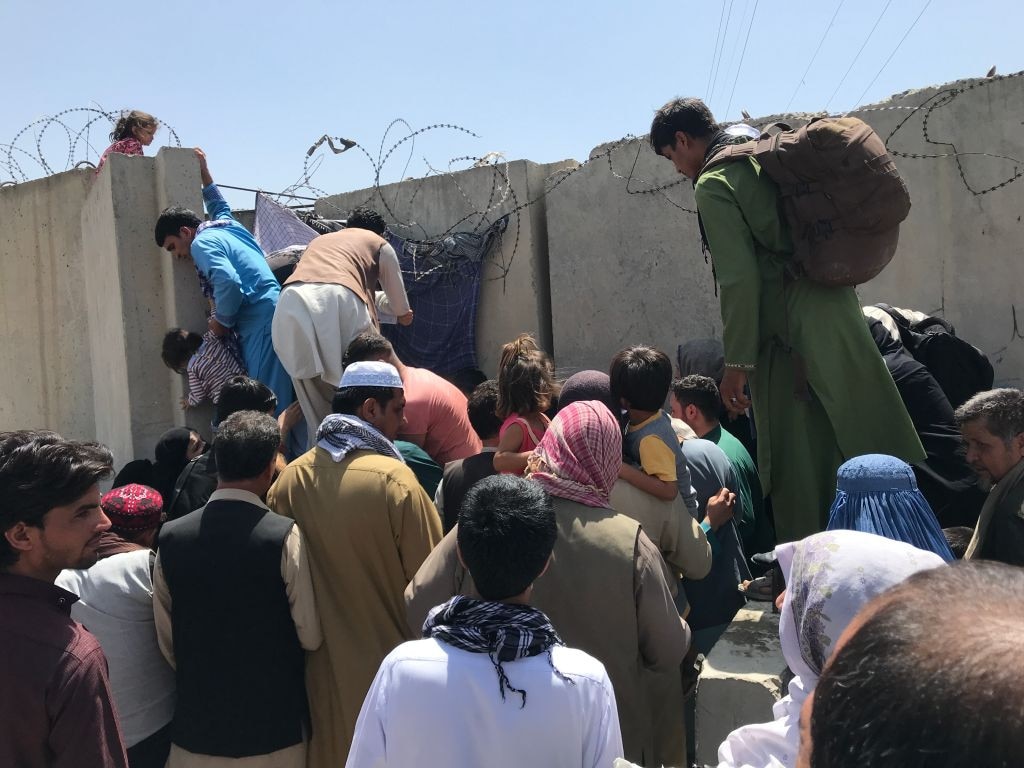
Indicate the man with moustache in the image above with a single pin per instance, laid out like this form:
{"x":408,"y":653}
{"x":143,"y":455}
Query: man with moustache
{"x":56,"y":710}
{"x":992,"y":425}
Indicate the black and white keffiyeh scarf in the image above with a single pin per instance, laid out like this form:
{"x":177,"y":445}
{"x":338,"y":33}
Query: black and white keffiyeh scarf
{"x":504,"y":631}
{"x":340,"y":434}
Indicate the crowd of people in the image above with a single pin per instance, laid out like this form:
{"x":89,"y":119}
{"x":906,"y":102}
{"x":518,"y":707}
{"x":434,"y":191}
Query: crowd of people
{"x":526,"y":573}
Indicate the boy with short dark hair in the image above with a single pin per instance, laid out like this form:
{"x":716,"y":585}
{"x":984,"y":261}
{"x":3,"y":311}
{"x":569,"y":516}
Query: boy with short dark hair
{"x":460,"y":475}
{"x":209,"y":360}
{"x":496,"y":663}
{"x":639,"y":378}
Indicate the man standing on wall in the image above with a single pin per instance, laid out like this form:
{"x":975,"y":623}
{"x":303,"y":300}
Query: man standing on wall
{"x":57,"y":709}
{"x":820,"y":391}
{"x":234,"y":276}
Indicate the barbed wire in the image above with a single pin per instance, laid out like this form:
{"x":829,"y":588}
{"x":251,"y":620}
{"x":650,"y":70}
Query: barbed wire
{"x":502,"y":198}
{"x":80,"y":149}
{"x":942,"y":99}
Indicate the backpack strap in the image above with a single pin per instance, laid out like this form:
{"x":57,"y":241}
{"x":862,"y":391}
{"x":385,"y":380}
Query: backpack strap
{"x":780,"y":126}
{"x":730,"y":153}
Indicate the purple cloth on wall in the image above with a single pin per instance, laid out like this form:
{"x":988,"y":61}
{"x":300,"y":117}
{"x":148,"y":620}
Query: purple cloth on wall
{"x":442,"y":280}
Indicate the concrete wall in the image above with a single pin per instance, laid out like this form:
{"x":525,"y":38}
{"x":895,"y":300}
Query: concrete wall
{"x":45,"y":369}
{"x":961,"y":255}
{"x":147,"y":293}
{"x":740,"y":681}
{"x":87,"y":298}
{"x":625,"y":268}
{"x":425,"y":208}
{"x":609,"y":257}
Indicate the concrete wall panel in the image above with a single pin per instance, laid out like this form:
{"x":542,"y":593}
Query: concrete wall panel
{"x":45,"y":370}
{"x":961,"y":255}
{"x":625,"y":268}
{"x":87,"y":297}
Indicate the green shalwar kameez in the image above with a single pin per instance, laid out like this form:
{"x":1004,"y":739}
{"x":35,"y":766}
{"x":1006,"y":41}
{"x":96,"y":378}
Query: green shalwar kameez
{"x":854,"y":406}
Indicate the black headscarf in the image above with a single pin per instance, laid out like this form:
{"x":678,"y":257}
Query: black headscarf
{"x":171,"y":457}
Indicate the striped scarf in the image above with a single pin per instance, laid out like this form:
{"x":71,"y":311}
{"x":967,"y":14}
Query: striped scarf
{"x":340,"y":434}
{"x":504,"y":631}
{"x":579,"y":456}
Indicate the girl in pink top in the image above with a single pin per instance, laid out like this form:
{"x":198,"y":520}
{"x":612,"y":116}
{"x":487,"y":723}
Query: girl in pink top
{"x":525,"y":389}
{"x":132,"y":132}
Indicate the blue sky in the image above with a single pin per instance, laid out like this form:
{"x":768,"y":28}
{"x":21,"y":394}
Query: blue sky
{"x":256,"y":83}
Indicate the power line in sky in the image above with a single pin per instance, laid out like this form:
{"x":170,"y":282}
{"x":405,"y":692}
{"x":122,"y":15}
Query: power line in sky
{"x":718,"y":37}
{"x":814,"y":56}
{"x":743,"y":54}
{"x":900,"y":43}
{"x":859,"y":52}
{"x":721,"y":51}
{"x":735,"y":43}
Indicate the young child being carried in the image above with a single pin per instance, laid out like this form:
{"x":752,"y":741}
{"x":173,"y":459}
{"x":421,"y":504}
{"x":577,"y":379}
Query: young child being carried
{"x":640,"y":378}
{"x":209,"y":360}
{"x":525,"y":388}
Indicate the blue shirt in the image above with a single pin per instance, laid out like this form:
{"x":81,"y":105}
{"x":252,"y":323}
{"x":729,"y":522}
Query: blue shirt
{"x":244,"y":289}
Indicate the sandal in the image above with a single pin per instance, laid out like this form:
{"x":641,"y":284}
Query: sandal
{"x":759,"y":589}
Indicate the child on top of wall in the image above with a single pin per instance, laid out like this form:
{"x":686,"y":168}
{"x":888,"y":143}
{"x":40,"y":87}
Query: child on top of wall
{"x":640,"y":378}
{"x":525,"y":389}
{"x":209,"y":360}
{"x":133,"y":131}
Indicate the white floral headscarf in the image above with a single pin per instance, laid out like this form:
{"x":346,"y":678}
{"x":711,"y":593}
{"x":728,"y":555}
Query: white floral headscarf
{"x":829,"y":577}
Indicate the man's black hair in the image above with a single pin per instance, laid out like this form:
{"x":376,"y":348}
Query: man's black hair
{"x":178,"y":347}
{"x":241,"y":393}
{"x":172,"y":220}
{"x":348,"y":399}
{"x":641,"y":375}
{"x":368,"y":345}
{"x":691,"y":116}
{"x":245,"y":445}
{"x":482,"y":407}
{"x":366,"y":218}
{"x":700,"y":391}
{"x":40,"y":470}
{"x":931,"y":678}
{"x":506,"y":533}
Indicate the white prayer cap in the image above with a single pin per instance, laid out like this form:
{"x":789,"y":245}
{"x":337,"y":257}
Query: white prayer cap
{"x":371,"y":373}
{"x":742,"y":129}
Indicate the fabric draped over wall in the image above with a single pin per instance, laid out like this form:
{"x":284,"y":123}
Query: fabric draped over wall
{"x":442,"y":280}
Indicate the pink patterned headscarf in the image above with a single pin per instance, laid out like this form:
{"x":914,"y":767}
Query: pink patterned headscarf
{"x":580,"y":454}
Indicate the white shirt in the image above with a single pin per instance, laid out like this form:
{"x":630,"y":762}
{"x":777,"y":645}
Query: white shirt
{"x":434,"y":704}
{"x":116,"y":605}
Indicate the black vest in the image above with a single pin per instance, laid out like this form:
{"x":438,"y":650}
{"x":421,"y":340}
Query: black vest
{"x":459,"y":477}
{"x":240,"y":667}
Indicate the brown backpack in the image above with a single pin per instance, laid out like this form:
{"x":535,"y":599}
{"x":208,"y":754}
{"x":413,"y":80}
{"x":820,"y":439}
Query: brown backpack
{"x":841,"y":194}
